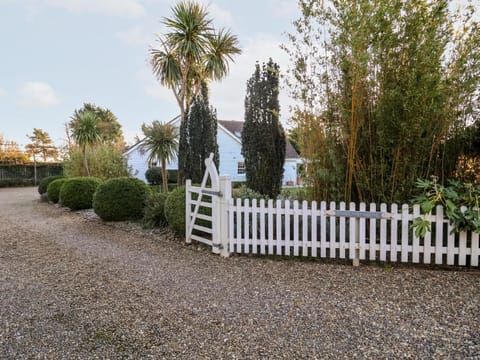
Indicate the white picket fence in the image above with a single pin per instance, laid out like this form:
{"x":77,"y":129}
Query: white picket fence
{"x":319,"y":230}
{"x":359,"y":233}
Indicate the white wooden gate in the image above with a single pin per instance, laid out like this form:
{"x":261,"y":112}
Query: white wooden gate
{"x":205,"y":206}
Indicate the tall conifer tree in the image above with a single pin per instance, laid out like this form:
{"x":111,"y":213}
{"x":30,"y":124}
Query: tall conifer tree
{"x":263,"y":137}
{"x":200,"y":132}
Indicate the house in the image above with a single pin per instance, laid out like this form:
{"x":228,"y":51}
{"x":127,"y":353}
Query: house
{"x":229,"y":139}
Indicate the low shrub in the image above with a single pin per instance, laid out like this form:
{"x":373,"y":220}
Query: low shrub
{"x":172,"y":175}
{"x":299,"y":193}
{"x":243,"y":193}
{"x":154,"y":175}
{"x":120,"y":199}
{"x":53,"y":189}
{"x":42,"y":187}
{"x":175,"y":209}
{"x":77,"y":193}
{"x":154,"y":213}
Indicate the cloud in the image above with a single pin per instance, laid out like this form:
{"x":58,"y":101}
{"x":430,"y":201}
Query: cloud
{"x":119,"y":8}
{"x":37,"y":94}
{"x":284,"y":8}
{"x":3,"y":92}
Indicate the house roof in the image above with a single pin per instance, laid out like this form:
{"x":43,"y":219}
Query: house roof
{"x":236,"y":127}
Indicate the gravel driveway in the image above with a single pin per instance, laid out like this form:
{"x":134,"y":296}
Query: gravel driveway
{"x":72,"y":287}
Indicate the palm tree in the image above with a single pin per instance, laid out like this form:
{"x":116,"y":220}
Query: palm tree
{"x":86,"y":133}
{"x":191,"y":52}
{"x":160,"y":142}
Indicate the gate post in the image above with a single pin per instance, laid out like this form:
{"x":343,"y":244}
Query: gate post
{"x":223,"y":216}
{"x":188,"y":210}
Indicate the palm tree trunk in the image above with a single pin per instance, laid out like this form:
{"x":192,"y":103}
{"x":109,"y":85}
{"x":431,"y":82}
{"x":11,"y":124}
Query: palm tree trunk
{"x":164,"y":176}
{"x":85,"y":163}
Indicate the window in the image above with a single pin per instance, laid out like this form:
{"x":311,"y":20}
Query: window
{"x":241,"y":168}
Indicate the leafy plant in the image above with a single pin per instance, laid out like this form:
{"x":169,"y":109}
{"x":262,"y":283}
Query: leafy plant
{"x":53,"y":189}
{"x":120,"y":199}
{"x":154,"y":214}
{"x":77,"y":193}
{"x":175,"y":209}
{"x":42,"y":187}
{"x":461,"y":202}
{"x":154,"y":175}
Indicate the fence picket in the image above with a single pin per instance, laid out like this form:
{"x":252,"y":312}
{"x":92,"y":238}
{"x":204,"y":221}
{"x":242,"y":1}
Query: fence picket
{"x":246,"y":226}
{"x":353,"y":233}
{"x":451,"y":246}
{"x":239,"y":225}
{"x":394,"y":233}
{"x":278,"y":215}
{"x":427,"y":248}
{"x":462,"y":249}
{"x":362,"y":230}
{"x":333,"y":233}
{"x":314,"y":243}
{"x":231,"y":215}
{"x":254,"y":226}
{"x":342,"y":232}
{"x":416,"y":240}
{"x":439,"y":235}
{"x":475,"y":250}
{"x":323,"y":229}
{"x":270,"y":226}
{"x":262,"y":227}
{"x":295,"y":228}
{"x":383,"y":234}
{"x":287,"y":228}
{"x":405,"y":230}
{"x":372,"y":251}
{"x":305,"y":228}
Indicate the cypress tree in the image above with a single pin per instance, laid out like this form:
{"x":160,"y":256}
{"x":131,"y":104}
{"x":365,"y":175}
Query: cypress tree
{"x":263,"y":137}
{"x":201,"y":136}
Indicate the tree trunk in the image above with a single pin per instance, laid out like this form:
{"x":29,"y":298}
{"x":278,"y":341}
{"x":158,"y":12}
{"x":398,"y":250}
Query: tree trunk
{"x":164,"y":176}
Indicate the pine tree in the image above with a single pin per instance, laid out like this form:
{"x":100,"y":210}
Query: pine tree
{"x":263,"y":138}
{"x":200,"y":131}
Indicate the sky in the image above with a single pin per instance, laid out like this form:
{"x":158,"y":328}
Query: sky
{"x":56,"y":55}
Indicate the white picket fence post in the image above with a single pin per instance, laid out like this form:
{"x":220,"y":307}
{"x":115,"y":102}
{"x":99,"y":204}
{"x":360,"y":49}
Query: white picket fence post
{"x":223,"y":216}
{"x":188,"y":210}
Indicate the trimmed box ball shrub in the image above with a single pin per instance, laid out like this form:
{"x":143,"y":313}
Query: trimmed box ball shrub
{"x":77,"y":193}
{"x":42,"y":187}
{"x":154,"y":175}
{"x":154,"y":214}
{"x":120,"y":199}
{"x":53,"y":189}
{"x":175,"y":209}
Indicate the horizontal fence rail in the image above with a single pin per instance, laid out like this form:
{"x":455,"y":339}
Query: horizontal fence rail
{"x":336,"y":231}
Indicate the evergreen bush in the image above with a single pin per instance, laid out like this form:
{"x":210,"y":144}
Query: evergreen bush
{"x":154,"y":214}
{"x":77,"y":193}
{"x":154,"y":175}
{"x":42,"y":187}
{"x":175,"y":209}
{"x":120,"y":199}
{"x":53,"y":189}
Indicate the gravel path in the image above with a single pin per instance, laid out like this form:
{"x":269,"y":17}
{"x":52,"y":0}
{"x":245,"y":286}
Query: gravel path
{"x":73,"y":287}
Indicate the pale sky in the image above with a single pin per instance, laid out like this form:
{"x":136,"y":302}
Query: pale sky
{"x":58,"y":54}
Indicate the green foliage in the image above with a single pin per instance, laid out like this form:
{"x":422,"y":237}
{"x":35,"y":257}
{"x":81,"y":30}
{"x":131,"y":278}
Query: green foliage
{"x":201,"y":137}
{"x":154,"y":214}
{"x":77,"y":193}
{"x":175,"y":209}
{"x":381,"y":87}
{"x":461,"y":203}
{"x":106,"y":162}
{"x":53,"y":189}
{"x":244,"y":192}
{"x":263,"y":138}
{"x":154,"y":175}
{"x":121,"y":199}
{"x":292,"y":194}
{"x":41,"y":145}
{"x":191,"y":51}
{"x":172,"y":176}
{"x":108,"y":127}
{"x":42,"y":187}
{"x":160,"y":143}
